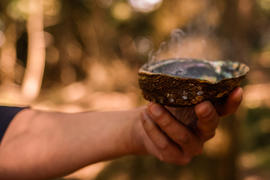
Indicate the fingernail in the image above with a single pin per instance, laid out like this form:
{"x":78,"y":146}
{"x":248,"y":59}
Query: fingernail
{"x":156,"y":110}
{"x":239,"y":93}
{"x":205,"y":110}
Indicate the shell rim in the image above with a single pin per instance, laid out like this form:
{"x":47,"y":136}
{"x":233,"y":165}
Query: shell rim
{"x":143,"y":70}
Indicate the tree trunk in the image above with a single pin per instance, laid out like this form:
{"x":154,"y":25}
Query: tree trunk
{"x":36,"y":51}
{"x":8,"y":55}
{"x":236,"y":28}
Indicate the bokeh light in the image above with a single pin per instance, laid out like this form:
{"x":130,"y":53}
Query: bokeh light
{"x":143,"y":45}
{"x":264,"y":4}
{"x":145,"y":5}
{"x":121,"y":11}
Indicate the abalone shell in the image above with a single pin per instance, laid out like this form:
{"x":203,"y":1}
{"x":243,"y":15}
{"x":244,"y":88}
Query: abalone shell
{"x":187,"y":82}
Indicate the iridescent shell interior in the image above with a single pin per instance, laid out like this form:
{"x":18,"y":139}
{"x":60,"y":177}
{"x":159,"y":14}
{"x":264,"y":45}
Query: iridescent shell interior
{"x":210,"y":71}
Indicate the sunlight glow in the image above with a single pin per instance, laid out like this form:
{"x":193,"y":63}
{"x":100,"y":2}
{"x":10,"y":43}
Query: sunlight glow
{"x":264,"y":4}
{"x":145,"y":5}
{"x":221,"y":139}
{"x":253,"y":99}
{"x":248,"y":160}
{"x":252,"y":177}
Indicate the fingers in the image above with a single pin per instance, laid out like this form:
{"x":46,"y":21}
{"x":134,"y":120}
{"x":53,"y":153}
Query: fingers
{"x":154,"y":133}
{"x":179,"y":134}
{"x":232,"y":103}
{"x":208,"y":120}
{"x":208,"y":115}
{"x":166,"y":150}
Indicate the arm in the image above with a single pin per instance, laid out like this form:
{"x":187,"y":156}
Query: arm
{"x":43,"y":145}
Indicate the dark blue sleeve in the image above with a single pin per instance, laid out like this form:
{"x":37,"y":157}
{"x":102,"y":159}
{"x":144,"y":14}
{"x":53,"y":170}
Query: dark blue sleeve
{"x":6,"y":115}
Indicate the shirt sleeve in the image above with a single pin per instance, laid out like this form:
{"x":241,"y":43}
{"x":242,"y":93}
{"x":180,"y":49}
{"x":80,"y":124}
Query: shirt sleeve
{"x":6,"y":116}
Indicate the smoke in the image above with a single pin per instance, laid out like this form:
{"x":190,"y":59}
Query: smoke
{"x":181,"y":44}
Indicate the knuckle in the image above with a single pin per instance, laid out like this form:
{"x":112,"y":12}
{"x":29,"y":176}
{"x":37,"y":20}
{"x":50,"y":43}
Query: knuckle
{"x":207,"y":113}
{"x":211,"y":118}
{"x":184,"y":138}
{"x":208,"y":125}
{"x":164,"y":121}
{"x":150,"y":128}
{"x":165,"y":145}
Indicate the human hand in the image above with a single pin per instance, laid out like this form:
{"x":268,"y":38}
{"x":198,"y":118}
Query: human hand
{"x":170,"y":141}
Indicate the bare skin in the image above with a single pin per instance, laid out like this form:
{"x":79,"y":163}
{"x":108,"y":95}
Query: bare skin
{"x":44,"y":145}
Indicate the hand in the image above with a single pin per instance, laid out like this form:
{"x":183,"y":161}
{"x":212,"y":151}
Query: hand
{"x":170,"y":141}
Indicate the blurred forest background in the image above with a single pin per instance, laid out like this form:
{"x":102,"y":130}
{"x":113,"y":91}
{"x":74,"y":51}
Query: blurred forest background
{"x":78,"y":55}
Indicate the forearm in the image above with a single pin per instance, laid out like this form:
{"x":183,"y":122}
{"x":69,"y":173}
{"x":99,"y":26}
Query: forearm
{"x":52,"y":144}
